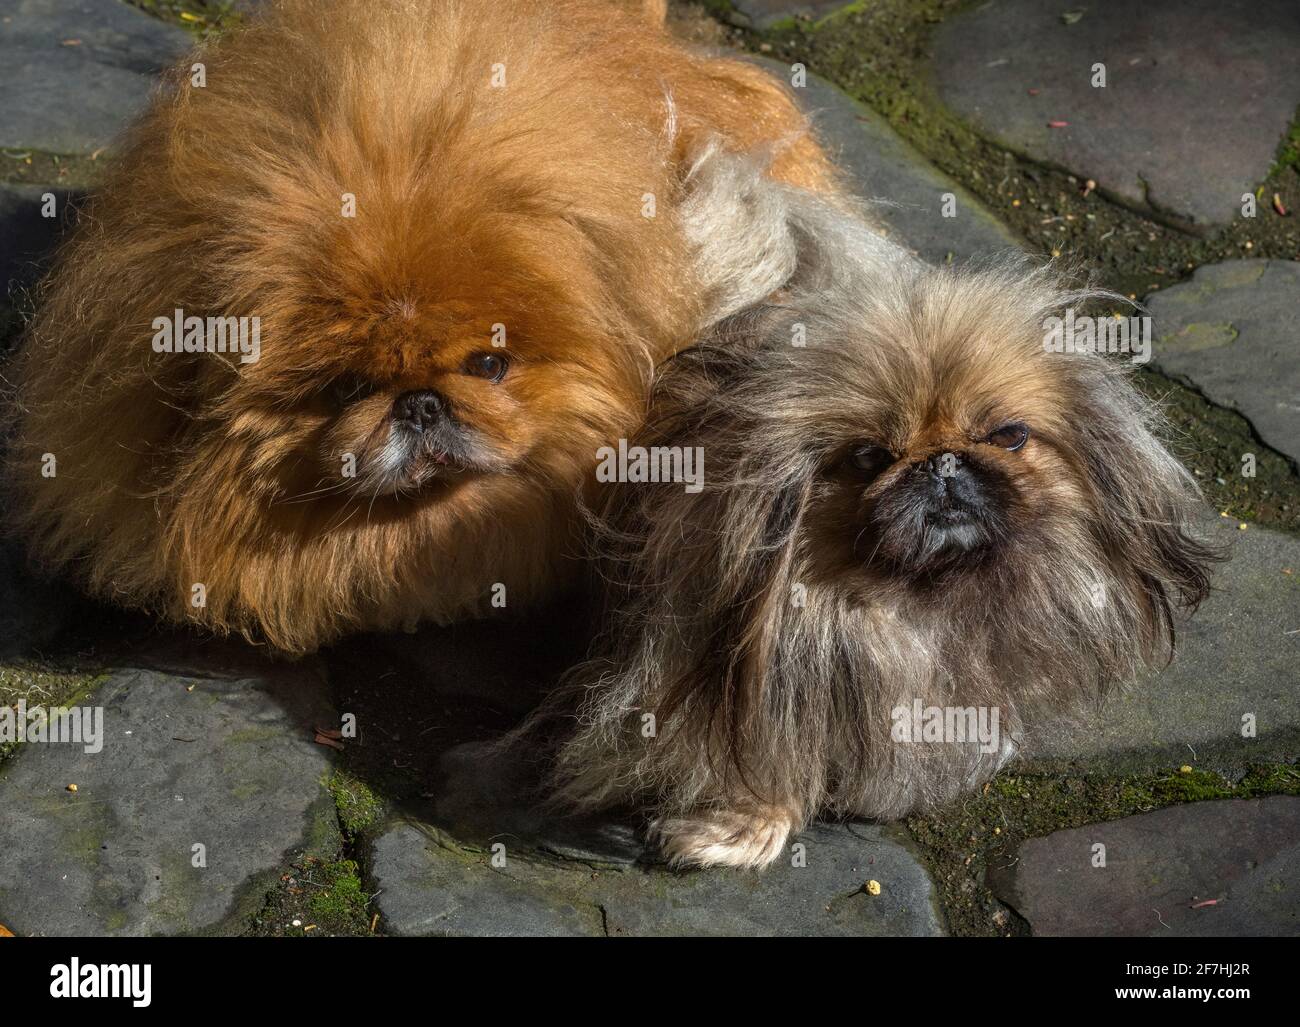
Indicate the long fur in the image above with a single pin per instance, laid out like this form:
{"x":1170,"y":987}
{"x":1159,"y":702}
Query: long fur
{"x":519,"y":203}
{"x":767,"y":628}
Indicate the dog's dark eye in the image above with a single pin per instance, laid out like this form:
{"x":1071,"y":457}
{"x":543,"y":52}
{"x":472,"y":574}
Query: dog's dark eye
{"x":491,"y":366}
{"x":349,"y":388}
{"x":1009,"y":437}
{"x":869,"y":461}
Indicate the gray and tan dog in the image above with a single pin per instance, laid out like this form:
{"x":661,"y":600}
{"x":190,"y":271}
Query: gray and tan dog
{"x":922,"y":534}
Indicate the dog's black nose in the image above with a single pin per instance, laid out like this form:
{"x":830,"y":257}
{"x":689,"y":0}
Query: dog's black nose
{"x":944,"y":465}
{"x":421,"y":409}
{"x":952,"y":480}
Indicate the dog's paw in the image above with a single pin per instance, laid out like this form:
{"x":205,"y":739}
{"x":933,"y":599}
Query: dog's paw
{"x":733,"y":838}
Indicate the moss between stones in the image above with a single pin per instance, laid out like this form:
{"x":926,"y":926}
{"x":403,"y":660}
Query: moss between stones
{"x":1211,"y":441}
{"x":35,"y":167}
{"x":315,"y":898}
{"x":340,"y":898}
{"x":960,"y":842}
{"x":324,"y":888}
{"x":1288,"y":152}
{"x":358,"y":807}
{"x":200,"y":17}
{"x":39,"y":684}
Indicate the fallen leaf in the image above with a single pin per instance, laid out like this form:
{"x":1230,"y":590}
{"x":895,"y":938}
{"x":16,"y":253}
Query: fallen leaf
{"x":329,"y":732}
{"x":5,"y":932}
{"x":1278,"y":205}
{"x":1072,"y":17}
{"x":1058,"y":124}
{"x":1207,"y":902}
{"x":872,"y":887}
{"x":323,"y":740}
{"x":1034,"y":92}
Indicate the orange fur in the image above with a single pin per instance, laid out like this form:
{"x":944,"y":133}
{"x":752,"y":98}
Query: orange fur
{"x":476,"y":205}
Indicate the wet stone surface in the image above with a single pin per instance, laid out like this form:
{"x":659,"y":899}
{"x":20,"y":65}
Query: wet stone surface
{"x":1228,"y":868}
{"x":74,"y":72}
{"x":213,"y":749}
{"x":1237,"y":656}
{"x":1170,"y":133}
{"x":1231,"y":332}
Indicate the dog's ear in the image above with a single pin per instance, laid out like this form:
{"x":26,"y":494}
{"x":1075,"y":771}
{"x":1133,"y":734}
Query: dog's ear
{"x":737,"y":223}
{"x":1146,"y":502}
{"x":753,"y":237}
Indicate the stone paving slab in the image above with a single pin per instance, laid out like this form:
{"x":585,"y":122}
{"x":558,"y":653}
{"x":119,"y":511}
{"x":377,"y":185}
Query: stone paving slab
{"x":1228,"y":868}
{"x":883,"y":167}
{"x":210,"y":747}
{"x":1239,"y":654}
{"x":434,"y":885}
{"x":73,"y":73}
{"x":1231,"y":331}
{"x":1199,"y":93}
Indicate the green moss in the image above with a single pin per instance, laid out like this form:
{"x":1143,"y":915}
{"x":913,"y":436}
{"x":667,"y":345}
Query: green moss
{"x":1288,"y":151}
{"x":358,"y":807}
{"x":339,"y":898}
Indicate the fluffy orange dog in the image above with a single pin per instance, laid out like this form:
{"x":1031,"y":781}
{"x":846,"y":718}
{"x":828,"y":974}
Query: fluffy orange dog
{"x":449,"y":231}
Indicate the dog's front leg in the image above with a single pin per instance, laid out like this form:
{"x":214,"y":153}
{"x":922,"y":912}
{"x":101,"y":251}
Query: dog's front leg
{"x":744,"y":835}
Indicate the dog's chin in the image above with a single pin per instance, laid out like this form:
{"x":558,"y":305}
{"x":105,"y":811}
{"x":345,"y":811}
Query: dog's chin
{"x":937,"y":543}
{"x":425,"y":475}
{"x":412,"y":465}
{"x":953,"y":534}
